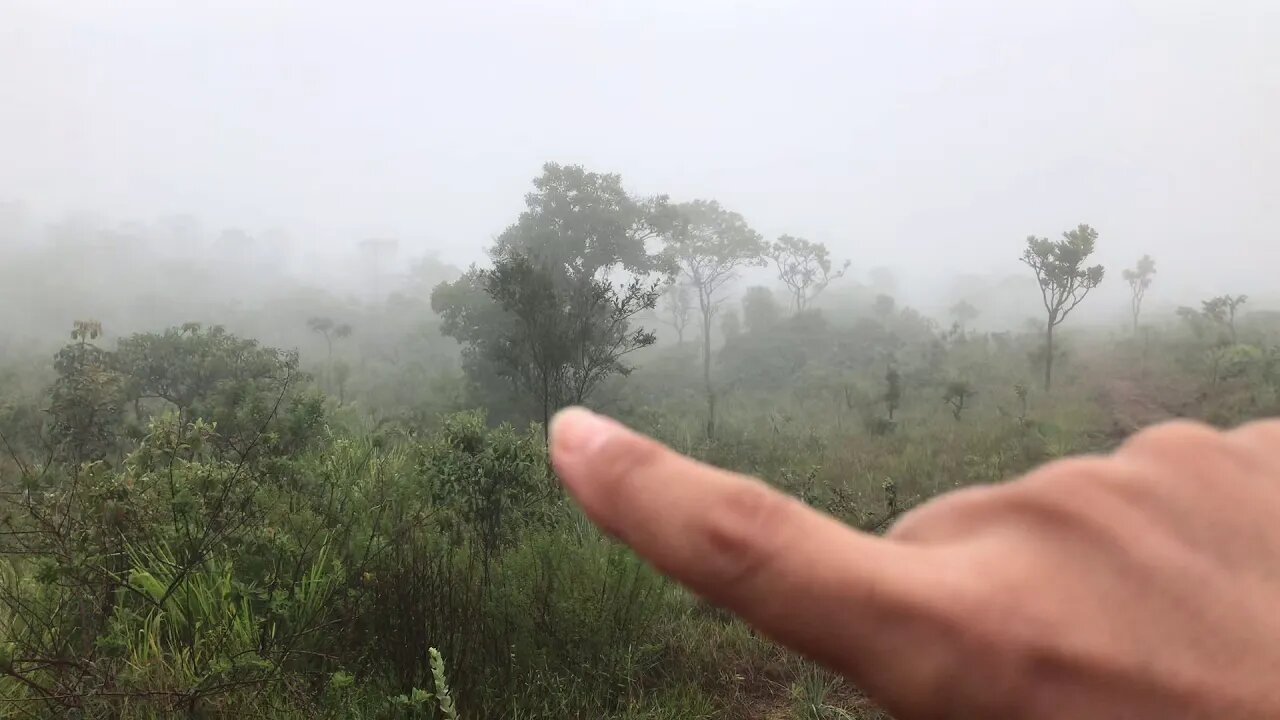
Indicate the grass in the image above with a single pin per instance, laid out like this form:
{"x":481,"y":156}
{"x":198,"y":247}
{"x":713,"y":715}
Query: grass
{"x":434,"y":570}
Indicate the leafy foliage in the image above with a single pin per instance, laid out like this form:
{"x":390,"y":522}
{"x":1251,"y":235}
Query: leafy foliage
{"x":708,"y":244}
{"x":957,"y":394}
{"x":804,"y":267}
{"x":189,"y":527}
{"x":549,"y":317}
{"x":1064,"y":279}
{"x":1222,"y":310}
{"x":85,"y":401}
{"x":256,"y":396}
{"x":1139,"y":279}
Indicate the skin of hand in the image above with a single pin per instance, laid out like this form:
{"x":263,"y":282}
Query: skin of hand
{"x":1141,"y":584}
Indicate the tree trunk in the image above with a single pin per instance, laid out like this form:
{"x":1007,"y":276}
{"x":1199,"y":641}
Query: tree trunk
{"x":706,"y":371}
{"x":328,"y":369}
{"x":711,"y":414}
{"x":546,"y":413}
{"x":1048,"y":355}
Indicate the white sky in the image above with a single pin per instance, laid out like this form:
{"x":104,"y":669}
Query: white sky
{"x":925,"y":135}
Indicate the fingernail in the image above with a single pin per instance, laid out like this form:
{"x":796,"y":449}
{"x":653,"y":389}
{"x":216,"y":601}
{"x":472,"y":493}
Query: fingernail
{"x":578,"y":432}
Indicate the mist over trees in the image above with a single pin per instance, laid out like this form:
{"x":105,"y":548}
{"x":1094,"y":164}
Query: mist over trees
{"x":348,"y":480}
{"x":708,"y":245}
{"x":1139,"y":278}
{"x":289,"y":293}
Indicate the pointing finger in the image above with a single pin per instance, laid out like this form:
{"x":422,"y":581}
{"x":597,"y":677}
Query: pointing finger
{"x":802,"y":577}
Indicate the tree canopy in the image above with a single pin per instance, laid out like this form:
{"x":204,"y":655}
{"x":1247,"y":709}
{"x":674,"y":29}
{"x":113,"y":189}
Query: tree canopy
{"x":804,"y":267}
{"x":1063,"y":277}
{"x":708,"y":244}
{"x":553,"y":314}
{"x":1139,"y":279}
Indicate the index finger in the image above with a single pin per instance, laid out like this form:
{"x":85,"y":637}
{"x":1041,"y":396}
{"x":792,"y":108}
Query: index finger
{"x":850,"y":600}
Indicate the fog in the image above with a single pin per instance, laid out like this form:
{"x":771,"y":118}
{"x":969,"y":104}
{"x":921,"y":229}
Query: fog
{"x":292,"y":290}
{"x":929,"y":138}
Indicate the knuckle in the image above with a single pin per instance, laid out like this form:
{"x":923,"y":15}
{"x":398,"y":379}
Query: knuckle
{"x":1263,"y":434}
{"x":1176,"y":436}
{"x":746,"y":531}
{"x":1191,"y":454}
{"x":945,"y":516}
{"x":1069,"y":480}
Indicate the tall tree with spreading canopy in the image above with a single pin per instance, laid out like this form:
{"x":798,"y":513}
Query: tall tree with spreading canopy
{"x":553,"y":314}
{"x":804,"y":267}
{"x":708,"y":244}
{"x":85,"y":399}
{"x":1064,"y":279}
{"x":760,"y":310}
{"x":1222,"y":310}
{"x":249,"y":390}
{"x":677,"y":306}
{"x":1139,"y":279}
{"x":330,"y":330}
{"x":964,"y":312}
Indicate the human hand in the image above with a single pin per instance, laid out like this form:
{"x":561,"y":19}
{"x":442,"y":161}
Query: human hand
{"x":1144,"y":584}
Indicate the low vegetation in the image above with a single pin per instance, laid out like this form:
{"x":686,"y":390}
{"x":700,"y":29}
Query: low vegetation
{"x":196,"y":523}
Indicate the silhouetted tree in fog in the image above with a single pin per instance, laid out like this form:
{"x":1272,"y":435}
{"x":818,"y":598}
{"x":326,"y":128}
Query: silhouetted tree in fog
{"x":760,"y":310}
{"x":1139,"y":279}
{"x":708,"y":244}
{"x":1222,"y":310}
{"x":730,"y":324}
{"x":956,"y":396}
{"x":552,"y":316}
{"x":677,"y":305}
{"x":884,"y":306}
{"x":964,"y":312}
{"x":330,"y":330}
{"x":804,"y":267}
{"x":85,"y":399}
{"x":893,"y":391}
{"x":1063,"y":277}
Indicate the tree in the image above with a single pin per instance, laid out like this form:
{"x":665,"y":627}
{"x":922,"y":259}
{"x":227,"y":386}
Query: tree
{"x":730,"y":325}
{"x":552,"y":316}
{"x":708,"y":244}
{"x":249,"y":390}
{"x":957,"y":394}
{"x":1063,"y":277}
{"x":341,"y":375}
{"x":1222,"y":310}
{"x":1199,"y":323}
{"x":884,"y":306}
{"x":893,"y":390}
{"x":330,"y":330}
{"x":86,"y":397}
{"x":1139,"y":279}
{"x":964,"y":312}
{"x":677,"y":305}
{"x":760,"y":310}
{"x":804,"y":267}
